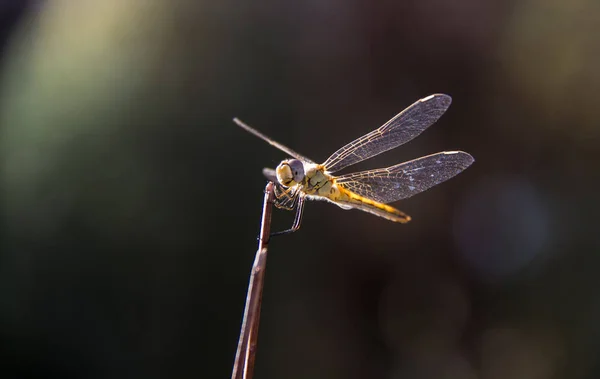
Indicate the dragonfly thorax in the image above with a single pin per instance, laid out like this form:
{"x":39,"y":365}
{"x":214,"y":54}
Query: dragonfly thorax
{"x":290,"y":172}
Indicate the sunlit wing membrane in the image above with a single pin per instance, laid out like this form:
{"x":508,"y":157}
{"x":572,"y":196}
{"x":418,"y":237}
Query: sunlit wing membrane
{"x":271,"y":142}
{"x":402,"y":128}
{"x":404,"y":180}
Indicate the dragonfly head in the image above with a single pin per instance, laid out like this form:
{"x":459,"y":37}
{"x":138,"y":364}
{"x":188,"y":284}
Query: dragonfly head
{"x":290,"y":172}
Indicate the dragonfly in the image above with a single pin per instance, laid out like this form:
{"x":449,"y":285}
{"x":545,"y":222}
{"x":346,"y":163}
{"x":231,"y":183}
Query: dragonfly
{"x":300,"y":178}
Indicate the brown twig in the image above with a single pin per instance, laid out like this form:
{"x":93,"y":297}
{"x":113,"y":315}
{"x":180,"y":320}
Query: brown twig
{"x":243,"y":366}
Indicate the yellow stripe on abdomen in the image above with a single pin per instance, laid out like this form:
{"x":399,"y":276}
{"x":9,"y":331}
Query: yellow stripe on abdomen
{"x":345,"y":197}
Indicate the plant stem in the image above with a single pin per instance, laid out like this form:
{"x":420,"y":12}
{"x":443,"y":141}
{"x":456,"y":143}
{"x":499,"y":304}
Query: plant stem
{"x":243,"y":367}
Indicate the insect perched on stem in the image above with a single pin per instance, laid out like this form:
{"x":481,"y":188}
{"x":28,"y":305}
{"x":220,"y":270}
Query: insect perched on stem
{"x":300,"y":178}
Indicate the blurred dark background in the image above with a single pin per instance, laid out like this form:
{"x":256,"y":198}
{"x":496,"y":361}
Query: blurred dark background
{"x":130,"y":202}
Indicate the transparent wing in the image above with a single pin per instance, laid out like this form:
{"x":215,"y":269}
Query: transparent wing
{"x":404,"y":180}
{"x":402,"y":128}
{"x":271,"y":142}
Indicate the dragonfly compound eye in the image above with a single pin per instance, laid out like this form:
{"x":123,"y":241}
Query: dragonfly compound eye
{"x":297,"y":168}
{"x":290,"y":172}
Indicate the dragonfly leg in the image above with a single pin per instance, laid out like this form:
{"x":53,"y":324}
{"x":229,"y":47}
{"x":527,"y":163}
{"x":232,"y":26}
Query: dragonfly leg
{"x":281,"y":193}
{"x":297,"y":219}
{"x":285,"y":198}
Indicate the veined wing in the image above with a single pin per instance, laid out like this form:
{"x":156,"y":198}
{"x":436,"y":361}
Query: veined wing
{"x":402,"y":128}
{"x":270,"y":141}
{"x":404,"y":180}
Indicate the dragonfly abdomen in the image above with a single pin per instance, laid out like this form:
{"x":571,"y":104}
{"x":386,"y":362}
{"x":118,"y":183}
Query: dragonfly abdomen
{"x":348,"y":198}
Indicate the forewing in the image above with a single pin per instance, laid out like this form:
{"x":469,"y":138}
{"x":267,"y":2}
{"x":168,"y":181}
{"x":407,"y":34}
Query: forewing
{"x":402,"y":128}
{"x":271,"y":141}
{"x":404,"y":180}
